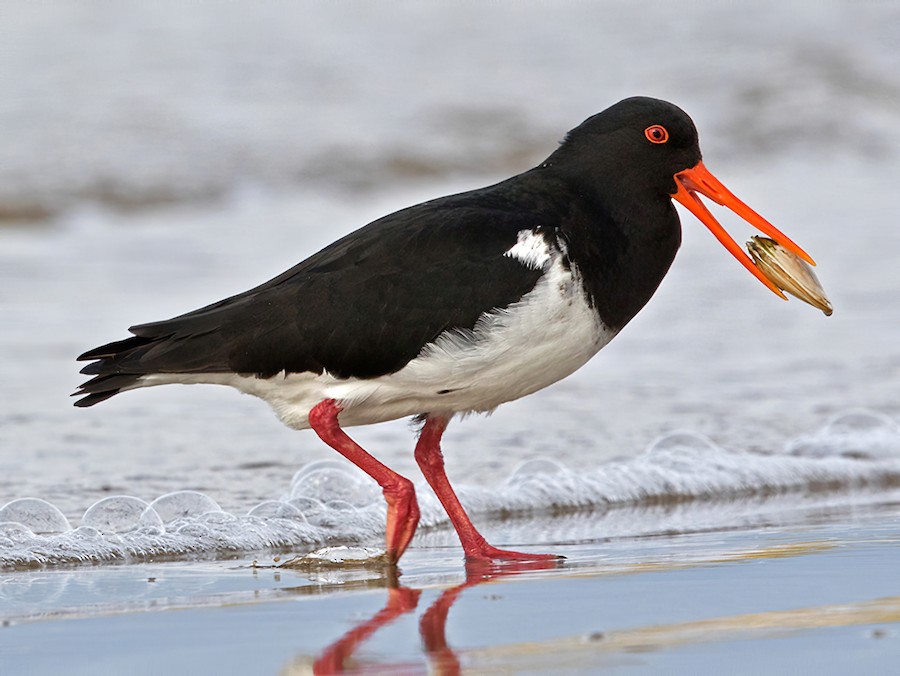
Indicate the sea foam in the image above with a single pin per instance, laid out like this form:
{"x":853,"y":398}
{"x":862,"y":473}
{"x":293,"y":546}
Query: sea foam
{"x":856,"y":454}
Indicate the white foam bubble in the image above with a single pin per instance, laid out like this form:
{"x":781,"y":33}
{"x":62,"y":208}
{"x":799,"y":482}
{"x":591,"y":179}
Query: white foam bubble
{"x":181,"y":504}
{"x":534,"y":467}
{"x":276,"y":509}
{"x":38,"y":515}
{"x":120,"y":514}
{"x":309,"y":507}
{"x":14,"y":532}
{"x":857,"y":433}
{"x":332,"y":480}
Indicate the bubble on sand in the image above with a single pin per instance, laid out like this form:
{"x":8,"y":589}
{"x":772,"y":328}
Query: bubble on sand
{"x":854,"y":422}
{"x":309,"y":507}
{"x":182,"y":504}
{"x":15,"y":532}
{"x":217,"y":518}
{"x":859,"y":434}
{"x":334,"y":514}
{"x":38,"y":515}
{"x":121,"y":514}
{"x":87,"y":533}
{"x":682,"y":440}
{"x":276,"y":509}
{"x":538,"y":467}
{"x":540,"y":481}
{"x":671,"y":466}
{"x":193,"y":530}
{"x":319,"y":465}
{"x":338,"y":515}
{"x":331,"y":480}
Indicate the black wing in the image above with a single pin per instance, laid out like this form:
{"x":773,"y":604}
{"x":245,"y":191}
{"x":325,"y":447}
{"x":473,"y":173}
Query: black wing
{"x":362,"y":307}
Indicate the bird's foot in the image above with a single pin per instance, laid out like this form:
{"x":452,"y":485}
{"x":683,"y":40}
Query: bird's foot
{"x":486,"y":552}
{"x":402,"y":517}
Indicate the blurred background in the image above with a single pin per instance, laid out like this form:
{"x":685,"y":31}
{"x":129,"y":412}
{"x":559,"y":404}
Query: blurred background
{"x":155,"y":157}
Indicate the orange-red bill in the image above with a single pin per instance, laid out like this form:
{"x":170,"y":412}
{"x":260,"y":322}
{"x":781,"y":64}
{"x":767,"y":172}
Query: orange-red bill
{"x":698,"y":179}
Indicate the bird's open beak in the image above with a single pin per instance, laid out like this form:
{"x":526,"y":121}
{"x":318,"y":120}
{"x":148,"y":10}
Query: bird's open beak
{"x":698,"y":179}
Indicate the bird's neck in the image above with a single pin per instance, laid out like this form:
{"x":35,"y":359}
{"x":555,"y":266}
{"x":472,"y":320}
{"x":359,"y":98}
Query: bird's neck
{"x":622,"y":252}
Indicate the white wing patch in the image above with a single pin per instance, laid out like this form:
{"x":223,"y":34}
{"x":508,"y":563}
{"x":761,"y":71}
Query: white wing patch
{"x":530,"y":249}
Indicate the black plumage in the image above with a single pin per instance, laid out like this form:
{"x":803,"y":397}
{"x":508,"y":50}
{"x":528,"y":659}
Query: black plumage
{"x":363,"y":307}
{"x":367,"y":304}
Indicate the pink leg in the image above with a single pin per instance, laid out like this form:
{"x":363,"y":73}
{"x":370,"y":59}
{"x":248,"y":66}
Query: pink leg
{"x":399,"y":493}
{"x":431,"y":461}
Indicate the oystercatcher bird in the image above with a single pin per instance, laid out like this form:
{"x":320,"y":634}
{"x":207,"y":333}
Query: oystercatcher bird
{"x":456,"y":305}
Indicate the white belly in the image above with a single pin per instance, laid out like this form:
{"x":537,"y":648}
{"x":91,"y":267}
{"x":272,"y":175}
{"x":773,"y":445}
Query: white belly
{"x":546,"y":336}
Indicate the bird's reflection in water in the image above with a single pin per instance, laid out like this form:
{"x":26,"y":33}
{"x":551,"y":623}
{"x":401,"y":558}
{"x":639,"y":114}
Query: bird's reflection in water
{"x":337,"y":657}
{"x":334,"y":658}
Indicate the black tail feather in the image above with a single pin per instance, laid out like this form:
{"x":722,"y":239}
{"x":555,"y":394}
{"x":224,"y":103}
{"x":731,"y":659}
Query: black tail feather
{"x":92,"y":399}
{"x":112,"y":375}
{"x":103,"y":387}
{"x":113,"y":350}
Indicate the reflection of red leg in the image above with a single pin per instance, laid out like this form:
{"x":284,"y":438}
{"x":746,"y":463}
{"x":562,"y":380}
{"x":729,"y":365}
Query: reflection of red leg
{"x":433,"y":625}
{"x":433,"y":629}
{"x":399,"y":493}
{"x":431,"y":461}
{"x":400,"y":600}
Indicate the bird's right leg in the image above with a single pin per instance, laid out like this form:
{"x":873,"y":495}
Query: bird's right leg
{"x":431,"y":462}
{"x":399,"y":492}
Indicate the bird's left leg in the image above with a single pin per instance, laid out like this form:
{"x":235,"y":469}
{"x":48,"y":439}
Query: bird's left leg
{"x":431,"y":461}
{"x":399,"y":492}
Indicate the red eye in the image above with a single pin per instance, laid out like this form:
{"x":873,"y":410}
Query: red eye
{"x":656,"y":133}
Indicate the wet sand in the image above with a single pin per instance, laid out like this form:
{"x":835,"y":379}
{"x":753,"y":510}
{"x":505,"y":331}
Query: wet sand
{"x":822,"y":596}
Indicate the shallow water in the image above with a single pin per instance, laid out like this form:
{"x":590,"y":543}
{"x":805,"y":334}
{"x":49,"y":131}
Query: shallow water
{"x":817,"y":594}
{"x":139,"y":182}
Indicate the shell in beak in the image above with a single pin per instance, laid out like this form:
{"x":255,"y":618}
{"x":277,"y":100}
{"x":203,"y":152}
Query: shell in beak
{"x":788,"y":272}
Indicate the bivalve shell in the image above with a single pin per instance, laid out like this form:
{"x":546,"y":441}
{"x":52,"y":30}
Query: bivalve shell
{"x":788,"y":272}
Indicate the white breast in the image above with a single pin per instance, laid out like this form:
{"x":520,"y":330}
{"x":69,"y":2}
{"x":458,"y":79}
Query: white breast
{"x":546,"y":336}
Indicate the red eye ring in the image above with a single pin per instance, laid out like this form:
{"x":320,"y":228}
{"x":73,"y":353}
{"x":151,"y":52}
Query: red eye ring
{"x":656,"y":133}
